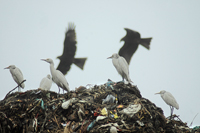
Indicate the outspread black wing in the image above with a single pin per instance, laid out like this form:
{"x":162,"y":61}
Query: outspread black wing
{"x":132,"y":40}
{"x":66,"y":59}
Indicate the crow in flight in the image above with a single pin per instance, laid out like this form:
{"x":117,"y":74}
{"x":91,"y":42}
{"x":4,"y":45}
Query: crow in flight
{"x":132,"y":41}
{"x":67,"y":58}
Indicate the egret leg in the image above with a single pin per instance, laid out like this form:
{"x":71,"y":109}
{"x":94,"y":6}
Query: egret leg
{"x":59,"y":90}
{"x":172,"y":109}
{"x":122,"y":80}
{"x":19,"y":89}
{"x":170,"y":112}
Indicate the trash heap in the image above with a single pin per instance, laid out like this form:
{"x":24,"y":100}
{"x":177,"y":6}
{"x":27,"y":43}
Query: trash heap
{"x":108,"y":108}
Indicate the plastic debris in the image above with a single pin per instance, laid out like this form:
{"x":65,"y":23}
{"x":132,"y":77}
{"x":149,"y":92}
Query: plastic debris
{"x":140,"y":123}
{"x":108,"y":99}
{"x":90,"y":126}
{"x":113,"y":129}
{"x":131,"y":110}
{"x":66,"y":104}
{"x":120,"y":106}
{"x":100,"y":118}
{"x":82,"y":111}
{"x":104,"y":112}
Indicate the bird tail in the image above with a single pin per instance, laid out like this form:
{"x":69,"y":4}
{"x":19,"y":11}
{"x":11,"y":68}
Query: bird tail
{"x":145,"y":42}
{"x":129,"y":80}
{"x":22,"y":85}
{"x":80,"y":62}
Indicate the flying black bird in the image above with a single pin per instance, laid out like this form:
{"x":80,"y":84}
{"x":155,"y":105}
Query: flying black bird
{"x":67,"y":58}
{"x":132,"y":41}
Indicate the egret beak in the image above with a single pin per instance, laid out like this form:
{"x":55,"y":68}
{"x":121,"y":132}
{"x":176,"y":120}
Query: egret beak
{"x":157,"y":93}
{"x":6,"y":67}
{"x":109,"y":57}
{"x":43,"y":59}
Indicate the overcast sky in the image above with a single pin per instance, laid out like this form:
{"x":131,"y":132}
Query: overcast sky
{"x":33,"y":30}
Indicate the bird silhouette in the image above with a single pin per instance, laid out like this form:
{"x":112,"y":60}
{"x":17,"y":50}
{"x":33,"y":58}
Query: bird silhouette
{"x":68,"y":56}
{"x":131,"y":42}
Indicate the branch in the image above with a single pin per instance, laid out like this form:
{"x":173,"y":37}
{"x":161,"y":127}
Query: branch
{"x":193,"y":120}
{"x":42,"y":127}
{"x":14,"y":88}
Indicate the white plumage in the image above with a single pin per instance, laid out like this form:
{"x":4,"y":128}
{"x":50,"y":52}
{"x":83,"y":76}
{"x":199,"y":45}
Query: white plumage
{"x":46,"y":83}
{"x":57,"y":76}
{"x":169,"y":99}
{"x":17,"y":75}
{"x":121,"y":66}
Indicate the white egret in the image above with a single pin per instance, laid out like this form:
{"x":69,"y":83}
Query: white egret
{"x":46,"y":83}
{"x":121,"y":65}
{"x":169,"y":99}
{"x":17,"y":75}
{"x":57,"y":76}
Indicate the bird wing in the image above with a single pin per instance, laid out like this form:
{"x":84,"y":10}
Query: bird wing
{"x":124,"y":65}
{"x":131,"y":33}
{"x":45,"y":83}
{"x":66,"y":59}
{"x":124,"y":69}
{"x":170,"y":100}
{"x":117,"y":65}
{"x":61,"y":80}
{"x":17,"y":76}
{"x":42,"y":82}
{"x":131,"y":43}
{"x":128,"y":50}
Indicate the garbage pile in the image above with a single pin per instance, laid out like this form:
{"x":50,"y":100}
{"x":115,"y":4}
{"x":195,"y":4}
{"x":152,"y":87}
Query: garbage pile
{"x":108,"y":108}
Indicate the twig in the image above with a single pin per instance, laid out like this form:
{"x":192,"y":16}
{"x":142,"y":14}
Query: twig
{"x":36,"y":105}
{"x":56,"y":121}
{"x":3,"y":114}
{"x":145,"y":109}
{"x":43,"y":122}
{"x":193,"y":120}
{"x":14,"y":88}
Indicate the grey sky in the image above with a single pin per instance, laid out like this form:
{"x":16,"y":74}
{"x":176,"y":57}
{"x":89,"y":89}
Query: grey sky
{"x":32,"y":30}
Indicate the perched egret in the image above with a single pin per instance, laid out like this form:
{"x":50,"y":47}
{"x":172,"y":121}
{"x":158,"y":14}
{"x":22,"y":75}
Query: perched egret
{"x":169,"y":99}
{"x":57,"y":76}
{"x":121,"y":65}
{"x":17,"y":75}
{"x":46,"y":83}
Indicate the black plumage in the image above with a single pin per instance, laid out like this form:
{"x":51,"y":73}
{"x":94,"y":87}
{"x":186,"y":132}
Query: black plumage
{"x":67,"y":58}
{"x":132,"y":40}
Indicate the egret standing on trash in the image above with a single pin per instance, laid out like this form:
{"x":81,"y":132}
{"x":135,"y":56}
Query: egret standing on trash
{"x":46,"y":83}
{"x":57,"y":76}
{"x":17,"y":75}
{"x":121,"y":66}
{"x":170,"y":100}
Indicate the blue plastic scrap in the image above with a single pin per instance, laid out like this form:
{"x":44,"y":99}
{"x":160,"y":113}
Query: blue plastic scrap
{"x":110,"y":83}
{"x":196,"y":127}
{"x":90,"y":126}
{"x":42,"y":103}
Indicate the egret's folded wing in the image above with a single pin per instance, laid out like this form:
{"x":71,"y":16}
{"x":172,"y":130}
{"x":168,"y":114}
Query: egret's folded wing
{"x":124,"y":66}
